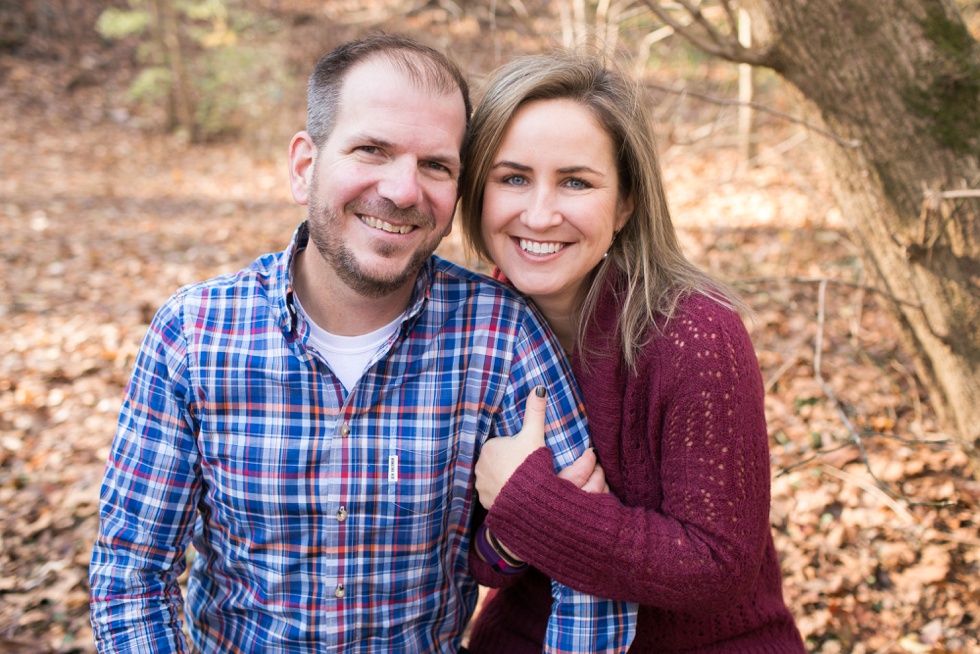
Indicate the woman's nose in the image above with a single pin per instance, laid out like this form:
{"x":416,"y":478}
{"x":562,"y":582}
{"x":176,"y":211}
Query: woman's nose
{"x":542,"y":213}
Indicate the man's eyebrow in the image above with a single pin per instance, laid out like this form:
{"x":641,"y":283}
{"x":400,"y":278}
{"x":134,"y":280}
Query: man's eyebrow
{"x":371,"y":140}
{"x":449,"y":161}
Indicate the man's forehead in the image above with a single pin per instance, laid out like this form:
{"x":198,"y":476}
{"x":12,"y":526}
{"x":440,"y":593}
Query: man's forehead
{"x":377,"y":85}
{"x":407,"y":68}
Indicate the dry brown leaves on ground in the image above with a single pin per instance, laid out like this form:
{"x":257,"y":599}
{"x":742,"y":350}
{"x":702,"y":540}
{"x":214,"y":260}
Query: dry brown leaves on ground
{"x":102,"y":222}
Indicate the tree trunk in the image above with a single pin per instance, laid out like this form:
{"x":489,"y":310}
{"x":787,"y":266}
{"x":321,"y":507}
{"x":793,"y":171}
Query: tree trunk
{"x":901,"y":80}
{"x":180,"y":106}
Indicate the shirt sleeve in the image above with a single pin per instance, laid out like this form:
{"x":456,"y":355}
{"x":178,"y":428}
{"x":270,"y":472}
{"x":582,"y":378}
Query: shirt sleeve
{"x":578,"y":622}
{"x":147,"y":502}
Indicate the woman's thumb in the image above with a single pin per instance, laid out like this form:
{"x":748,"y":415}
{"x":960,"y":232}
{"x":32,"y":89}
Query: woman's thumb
{"x":534,"y":410}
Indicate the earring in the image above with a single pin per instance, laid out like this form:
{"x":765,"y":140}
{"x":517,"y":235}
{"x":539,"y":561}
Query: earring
{"x":611,"y":244}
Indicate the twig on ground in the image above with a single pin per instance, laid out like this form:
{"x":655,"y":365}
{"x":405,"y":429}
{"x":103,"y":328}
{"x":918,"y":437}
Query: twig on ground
{"x":802,"y":462}
{"x":872,"y":489}
{"x":789,"y":363}
{"x":856,"y":437}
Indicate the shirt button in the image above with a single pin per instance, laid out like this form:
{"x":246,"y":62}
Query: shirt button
{"x":340,"y":592}
{"x":345,"y":430}
{"x":341,"y":514}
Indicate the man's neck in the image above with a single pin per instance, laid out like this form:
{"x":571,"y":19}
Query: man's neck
{"x":336,"y":307}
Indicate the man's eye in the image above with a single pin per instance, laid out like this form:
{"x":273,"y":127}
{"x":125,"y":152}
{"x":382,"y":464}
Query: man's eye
{"x":368,"y":149}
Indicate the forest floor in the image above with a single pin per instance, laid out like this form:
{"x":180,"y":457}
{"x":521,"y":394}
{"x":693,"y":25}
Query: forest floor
{"x":874,"y":509}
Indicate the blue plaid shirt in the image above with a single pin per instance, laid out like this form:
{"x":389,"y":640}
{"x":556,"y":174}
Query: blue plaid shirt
{"x":322,"y":520}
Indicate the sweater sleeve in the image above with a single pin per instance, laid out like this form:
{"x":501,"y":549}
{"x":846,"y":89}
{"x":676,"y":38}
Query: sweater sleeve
{"x":701,"y":543}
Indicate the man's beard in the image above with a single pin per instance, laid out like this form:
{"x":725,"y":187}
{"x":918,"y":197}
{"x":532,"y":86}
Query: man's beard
{"x":343,"y":259}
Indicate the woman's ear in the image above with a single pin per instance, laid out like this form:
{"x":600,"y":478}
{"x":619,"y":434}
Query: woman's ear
{"x":302,"y":154}
{"x":624,"y":209}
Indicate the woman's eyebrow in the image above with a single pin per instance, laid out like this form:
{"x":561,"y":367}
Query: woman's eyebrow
{"x":511,"y":164}
{"x":579,"y":169}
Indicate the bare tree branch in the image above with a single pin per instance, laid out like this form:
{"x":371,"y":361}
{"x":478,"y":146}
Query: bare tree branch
{"x":732,"y":15}
{"x":827,"y":280}
{"x":715,"y":44}
{"x":759,"y":107}
{"x":684,"y":30}
{"x":709,"y":29}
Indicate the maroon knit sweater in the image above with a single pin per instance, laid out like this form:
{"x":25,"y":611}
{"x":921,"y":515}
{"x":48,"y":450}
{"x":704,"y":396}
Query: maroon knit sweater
{"x":685,"y":532}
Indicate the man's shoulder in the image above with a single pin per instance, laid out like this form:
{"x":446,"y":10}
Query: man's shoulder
{"x":217,"y":302}
{"x":261,"y":273}
{"x":451,"y":280}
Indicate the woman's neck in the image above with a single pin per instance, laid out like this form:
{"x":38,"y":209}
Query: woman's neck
{"x":561,"y":318}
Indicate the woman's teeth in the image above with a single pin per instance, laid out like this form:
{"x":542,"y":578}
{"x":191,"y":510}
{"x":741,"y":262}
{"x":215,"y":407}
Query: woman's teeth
{"x":537,"y":247}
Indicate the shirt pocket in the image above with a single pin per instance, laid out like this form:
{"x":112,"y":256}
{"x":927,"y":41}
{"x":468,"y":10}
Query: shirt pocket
{"x":420,"y":476}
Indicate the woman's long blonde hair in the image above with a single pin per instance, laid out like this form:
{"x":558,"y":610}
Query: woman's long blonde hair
{"x":653,"y":274}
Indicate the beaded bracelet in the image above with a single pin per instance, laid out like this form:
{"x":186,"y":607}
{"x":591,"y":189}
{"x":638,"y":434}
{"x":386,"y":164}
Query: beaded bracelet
{"x":489,"y":550}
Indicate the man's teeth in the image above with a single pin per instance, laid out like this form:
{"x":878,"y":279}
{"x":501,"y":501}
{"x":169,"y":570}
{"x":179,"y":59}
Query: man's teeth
{"x":537,"y":247}
{"x":370,"y":221}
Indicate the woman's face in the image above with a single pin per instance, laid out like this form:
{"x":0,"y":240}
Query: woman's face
{"x":551,"y":202}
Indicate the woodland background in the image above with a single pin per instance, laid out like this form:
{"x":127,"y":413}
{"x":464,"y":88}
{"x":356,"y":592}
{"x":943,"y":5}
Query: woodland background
{"x":104,"y":212}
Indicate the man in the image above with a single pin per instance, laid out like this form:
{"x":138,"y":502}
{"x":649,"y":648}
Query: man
{"x":310,"y":423}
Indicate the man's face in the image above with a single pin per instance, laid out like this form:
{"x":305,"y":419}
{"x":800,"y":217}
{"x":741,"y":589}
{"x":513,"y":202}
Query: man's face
{"x":384,"y":183}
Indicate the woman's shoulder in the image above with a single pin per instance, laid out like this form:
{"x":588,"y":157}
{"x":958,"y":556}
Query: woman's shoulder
{"x":697,"y":313}
{"x":701,"y":326}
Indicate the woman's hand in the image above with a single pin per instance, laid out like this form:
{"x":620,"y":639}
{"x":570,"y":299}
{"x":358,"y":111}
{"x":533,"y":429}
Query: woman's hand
{"x":500,"y":457}
{"x":586,"y":473}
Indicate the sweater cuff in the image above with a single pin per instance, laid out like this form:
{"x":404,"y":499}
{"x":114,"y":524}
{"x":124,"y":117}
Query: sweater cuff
{"x":552,"y":524}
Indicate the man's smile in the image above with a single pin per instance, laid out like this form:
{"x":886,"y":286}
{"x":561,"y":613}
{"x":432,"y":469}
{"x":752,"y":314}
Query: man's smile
{"x":377,"y":223}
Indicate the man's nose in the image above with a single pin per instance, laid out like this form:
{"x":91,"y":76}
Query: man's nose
{"x":400,"y":183}
{"x":543,"y":212}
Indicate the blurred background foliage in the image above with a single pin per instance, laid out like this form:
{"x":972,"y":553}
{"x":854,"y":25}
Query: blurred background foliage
{"x":141,"y":148}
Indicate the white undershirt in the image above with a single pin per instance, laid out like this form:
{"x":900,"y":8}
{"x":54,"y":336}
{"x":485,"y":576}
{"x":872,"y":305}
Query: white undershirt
{"x":347,"y":356}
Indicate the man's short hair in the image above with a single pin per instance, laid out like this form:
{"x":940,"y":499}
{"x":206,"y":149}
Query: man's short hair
{"x":425,"y":66}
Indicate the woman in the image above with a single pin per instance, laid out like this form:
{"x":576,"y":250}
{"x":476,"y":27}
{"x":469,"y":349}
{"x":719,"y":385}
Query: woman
{"x":564,"y":194}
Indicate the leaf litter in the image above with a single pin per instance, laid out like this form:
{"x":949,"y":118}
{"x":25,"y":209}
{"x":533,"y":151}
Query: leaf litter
{"x":879,"y":549}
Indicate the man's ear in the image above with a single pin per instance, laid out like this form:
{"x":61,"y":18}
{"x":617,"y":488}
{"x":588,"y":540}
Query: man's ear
{"x":302,"y":154}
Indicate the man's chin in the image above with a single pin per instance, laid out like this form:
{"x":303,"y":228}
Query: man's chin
{"x":377,"y":284}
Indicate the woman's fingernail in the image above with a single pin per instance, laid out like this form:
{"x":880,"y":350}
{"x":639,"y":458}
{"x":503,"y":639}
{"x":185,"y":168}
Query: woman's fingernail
{"x":540,"y":391}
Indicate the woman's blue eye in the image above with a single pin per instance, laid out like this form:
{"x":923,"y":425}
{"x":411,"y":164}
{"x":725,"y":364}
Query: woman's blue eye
{"x":577,"y":184}
{"x":515,"y":180}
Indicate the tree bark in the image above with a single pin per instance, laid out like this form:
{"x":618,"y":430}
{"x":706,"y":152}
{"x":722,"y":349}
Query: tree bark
{"x":901,"y":79}
{"x":180,"y":106}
